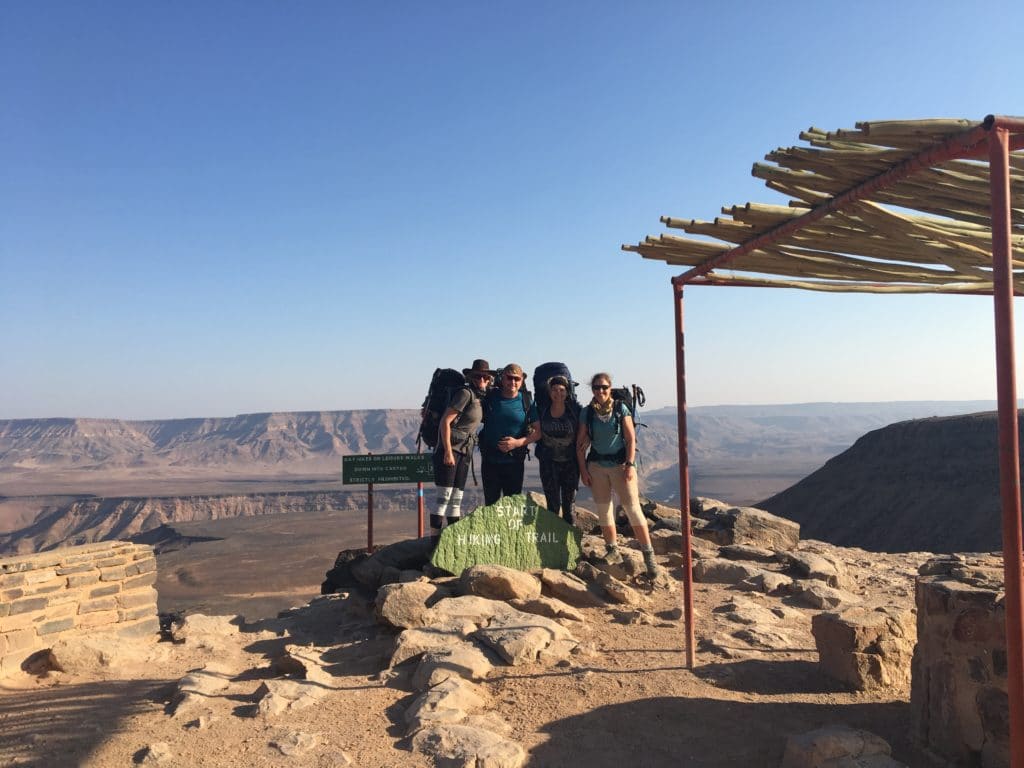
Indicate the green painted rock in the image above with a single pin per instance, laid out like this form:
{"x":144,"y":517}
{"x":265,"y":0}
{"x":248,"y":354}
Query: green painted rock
{"x":514,"y":531}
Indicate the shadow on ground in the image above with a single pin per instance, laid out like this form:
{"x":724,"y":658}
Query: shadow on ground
{"x":62,"y":725}
{"x":671,"y":732}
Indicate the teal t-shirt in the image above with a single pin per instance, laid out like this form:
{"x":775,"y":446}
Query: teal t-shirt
{"x":605,"y":436}
{"x":505,"y":417}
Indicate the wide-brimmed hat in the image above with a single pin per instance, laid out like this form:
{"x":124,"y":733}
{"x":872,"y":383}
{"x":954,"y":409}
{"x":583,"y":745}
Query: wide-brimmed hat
{"x":480,"y":368}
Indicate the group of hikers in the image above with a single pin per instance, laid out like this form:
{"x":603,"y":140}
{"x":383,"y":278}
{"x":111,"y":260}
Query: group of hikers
{"x":595,"y":444}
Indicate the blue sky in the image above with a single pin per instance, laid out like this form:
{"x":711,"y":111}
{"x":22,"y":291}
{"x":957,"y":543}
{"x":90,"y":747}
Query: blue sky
{"x":216,"y":208}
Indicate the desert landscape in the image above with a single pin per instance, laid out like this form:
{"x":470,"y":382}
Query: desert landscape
{"x":252,"y":522}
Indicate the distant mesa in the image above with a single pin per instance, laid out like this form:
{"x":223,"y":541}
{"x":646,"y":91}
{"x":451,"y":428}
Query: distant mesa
{"x":924,"y":485}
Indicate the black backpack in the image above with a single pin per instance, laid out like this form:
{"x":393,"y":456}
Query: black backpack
{"x":444,"y":383}
{"x":541,"y":375}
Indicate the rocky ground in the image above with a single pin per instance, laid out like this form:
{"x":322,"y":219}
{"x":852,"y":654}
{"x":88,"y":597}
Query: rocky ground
{"x":490,"y":670}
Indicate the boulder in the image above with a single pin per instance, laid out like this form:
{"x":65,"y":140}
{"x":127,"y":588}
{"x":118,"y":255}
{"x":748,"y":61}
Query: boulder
{"x":665,"y":541}
{"x":463,"y":660}
{"x":515,"y":531}
{"x":808,"y":565}
{"x":279,"y":696}
{"x":866,"y":649}
{"x":719,"y":571}
{"x":744,"y":611}
{"x":406,"y":605}
{"x":617,"y":591}
{"x":200,"y":629}
{"x":499,"y":582}
{"x":459,"y":745}
{"x":749,"y":525}
{"x":816,"y":749}
{"x":524,"y":638}
{"x":411,"y":554}
{"x":418,"y":641}
{"x":450,"y":701}
{"x":814,"y":594}
{"x":548,"y":606}
{"x":768,"y":582}
{"x":748,"y":552}
{"x":572,"y":589}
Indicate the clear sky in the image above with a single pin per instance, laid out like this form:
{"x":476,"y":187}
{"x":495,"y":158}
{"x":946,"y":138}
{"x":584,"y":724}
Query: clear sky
{"x":210,"y":208}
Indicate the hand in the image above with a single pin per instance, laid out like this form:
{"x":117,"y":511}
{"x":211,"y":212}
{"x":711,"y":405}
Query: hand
{"x":585,"y":476}
{"x":630,"y":474}
{"x":449,"y":459}
{"x":507,"y":444}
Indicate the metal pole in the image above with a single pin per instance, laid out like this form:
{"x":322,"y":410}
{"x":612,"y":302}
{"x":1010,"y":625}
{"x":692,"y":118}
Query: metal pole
{"x":684,"y":476}
{"x":420,"y":511}
{"x":1009,"y":447}
{"x":369,"y":518}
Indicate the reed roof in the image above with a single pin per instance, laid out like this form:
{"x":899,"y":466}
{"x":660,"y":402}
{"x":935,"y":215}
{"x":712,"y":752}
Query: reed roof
{"x":928,"y":232}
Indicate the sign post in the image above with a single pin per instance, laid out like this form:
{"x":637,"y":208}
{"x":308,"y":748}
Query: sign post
{"x":386,"y":468}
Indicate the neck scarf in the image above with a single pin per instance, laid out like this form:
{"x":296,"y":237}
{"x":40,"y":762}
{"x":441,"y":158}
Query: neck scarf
{"x":602,"y":410}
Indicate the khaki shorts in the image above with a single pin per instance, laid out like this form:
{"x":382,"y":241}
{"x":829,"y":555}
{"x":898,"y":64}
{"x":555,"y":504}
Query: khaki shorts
{"x":606,"y":480}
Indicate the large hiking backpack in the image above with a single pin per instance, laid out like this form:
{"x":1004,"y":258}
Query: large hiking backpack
{"x":541,"y":374}
{"x":444,"y":383}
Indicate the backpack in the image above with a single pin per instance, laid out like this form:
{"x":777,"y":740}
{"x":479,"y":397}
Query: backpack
{"x":444,"y":383}
{"x":542,"y":374}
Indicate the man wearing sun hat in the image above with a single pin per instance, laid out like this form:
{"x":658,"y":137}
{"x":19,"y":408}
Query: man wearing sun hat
{"x":456,"y":438}
{"x":510,"y":425}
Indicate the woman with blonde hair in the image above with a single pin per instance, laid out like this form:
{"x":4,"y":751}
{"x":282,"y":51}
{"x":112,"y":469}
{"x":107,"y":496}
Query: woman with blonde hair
{"x":606,"y":428}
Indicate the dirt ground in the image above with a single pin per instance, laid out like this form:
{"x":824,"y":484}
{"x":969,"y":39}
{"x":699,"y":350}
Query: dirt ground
{"x":626,"y":699}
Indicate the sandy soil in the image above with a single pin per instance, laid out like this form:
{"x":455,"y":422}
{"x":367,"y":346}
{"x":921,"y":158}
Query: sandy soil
{"x":626,"y":698}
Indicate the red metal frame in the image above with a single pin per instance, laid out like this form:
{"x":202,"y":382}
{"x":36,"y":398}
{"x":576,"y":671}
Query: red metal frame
{"x":996,"y":138}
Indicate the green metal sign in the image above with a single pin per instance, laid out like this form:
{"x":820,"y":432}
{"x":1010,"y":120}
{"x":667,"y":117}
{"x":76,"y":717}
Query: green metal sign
{"x":386,"y":468}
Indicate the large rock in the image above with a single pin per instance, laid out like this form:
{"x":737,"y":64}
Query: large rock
{"x":808,"y":565}
{"x":572,"y":589}
{"x":748,"y":525}
{"x":450,"y":701}
{"x":461,"y":746}
{"x":866,"y":649}
{"x":814,"y":594}
{"x":407,"y":605}
{"x":462,"y":659}
{"x":498,"y":582}
{"x":820,"y":748}
{"x":411,"y":554}
{"x":515,"y":531}
{"x":551,"y":607}
{"x":720,"y":571}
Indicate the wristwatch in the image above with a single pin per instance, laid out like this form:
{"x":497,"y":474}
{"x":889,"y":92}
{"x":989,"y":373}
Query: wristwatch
{"x":630,"y":463}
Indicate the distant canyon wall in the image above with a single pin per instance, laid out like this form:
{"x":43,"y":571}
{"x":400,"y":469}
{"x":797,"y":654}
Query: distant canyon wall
{"x":73,"y":522}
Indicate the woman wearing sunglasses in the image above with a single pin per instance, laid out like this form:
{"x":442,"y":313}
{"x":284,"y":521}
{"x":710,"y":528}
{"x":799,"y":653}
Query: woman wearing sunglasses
{"x":606,"y":428}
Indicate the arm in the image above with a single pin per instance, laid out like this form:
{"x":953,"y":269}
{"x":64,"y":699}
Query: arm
{"x":444,"y":433}
{"x":629,"y":438}
{"x":582,"y":444}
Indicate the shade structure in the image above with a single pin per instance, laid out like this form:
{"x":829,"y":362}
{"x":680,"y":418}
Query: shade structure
{"x":911,"y":206}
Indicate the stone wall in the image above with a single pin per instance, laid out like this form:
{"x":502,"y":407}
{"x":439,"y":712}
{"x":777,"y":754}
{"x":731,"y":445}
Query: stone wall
{"x":107,"y":586}
{"x":958,"y":700}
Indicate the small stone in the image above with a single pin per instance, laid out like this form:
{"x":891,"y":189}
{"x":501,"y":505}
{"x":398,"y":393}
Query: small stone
{"x":294,"y":743}
{"x":157,"y":753}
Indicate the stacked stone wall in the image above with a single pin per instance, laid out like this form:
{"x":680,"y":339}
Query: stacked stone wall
{"x":959,"y":705}
{"x":106,"y":586}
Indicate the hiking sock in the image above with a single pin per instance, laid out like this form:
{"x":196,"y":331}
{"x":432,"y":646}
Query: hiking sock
{"x":455,"y":505}
{"x":452,"y":520}
{"x":435,"y":527}
{"x":444,"y":500}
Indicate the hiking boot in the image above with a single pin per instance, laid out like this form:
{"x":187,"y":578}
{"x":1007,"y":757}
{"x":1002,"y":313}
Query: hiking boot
{"x":611,"y":557}
{"x":652,"y":566}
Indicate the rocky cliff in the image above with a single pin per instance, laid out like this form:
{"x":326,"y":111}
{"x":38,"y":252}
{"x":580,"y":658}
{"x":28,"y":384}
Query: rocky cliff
{"x":922,"y":485}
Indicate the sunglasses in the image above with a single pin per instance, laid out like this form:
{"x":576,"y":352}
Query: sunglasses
{"x":601,"y":387}
{"x":480,"y":377}
{"x":510,"y":377}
